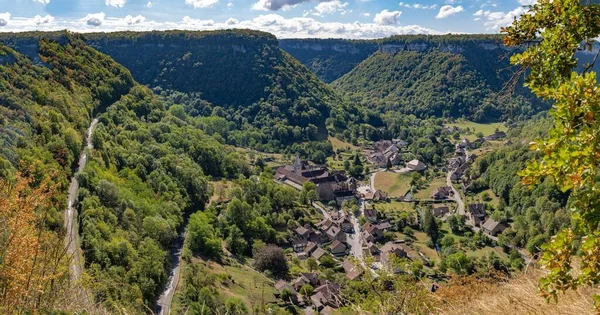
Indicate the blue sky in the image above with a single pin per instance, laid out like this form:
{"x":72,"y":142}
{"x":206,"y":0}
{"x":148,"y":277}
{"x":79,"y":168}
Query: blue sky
{"x":284,"y":18}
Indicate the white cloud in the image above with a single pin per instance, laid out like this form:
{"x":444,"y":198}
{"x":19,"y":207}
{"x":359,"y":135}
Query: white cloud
{"x":275,"y":5}
{"x":94,"y":19}
{"x":282,"y":27}
{"x":331,"y":7}
{"x":44,"y":2}
{"x":149,"y":4}
{"x":527,"y":2}
{"x":386,"y":17}
{"x":448,"y":10}
{"x":4,"y":17}
{"x":115,"y":3}
{"x":40,"y":20}
{"x":495,"y":20}
{"x":232,"y":21}
{"x":197,"y":22}
{"x":201,"y":3}
{"x":230,"y":4}
{"x":134,"y":19}
{"x":366,"y":14}
{"x":418,"y":6}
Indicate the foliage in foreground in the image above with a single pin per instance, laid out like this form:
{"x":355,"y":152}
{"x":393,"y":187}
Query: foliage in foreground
{"x":571,"y":152}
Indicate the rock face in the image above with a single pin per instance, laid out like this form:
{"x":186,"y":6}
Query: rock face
{"x":329,"y":59}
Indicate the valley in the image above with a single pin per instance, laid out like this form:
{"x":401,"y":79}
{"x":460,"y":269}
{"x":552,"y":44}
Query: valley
{"x":231,"y":172}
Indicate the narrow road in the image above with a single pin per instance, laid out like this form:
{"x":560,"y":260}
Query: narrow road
{"x":456,"y":196}
{"x":323,"y":211}
{"x":163,"y":304}
{"x":354,"y":240}
{"x":75,"y":266}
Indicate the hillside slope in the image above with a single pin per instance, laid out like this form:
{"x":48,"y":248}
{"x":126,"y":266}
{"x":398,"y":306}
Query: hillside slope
{"x":329,"y":59}
{"x":241,"y":71}
{"x":451,"y":76}
{"x":148,"y":169}
{"x":240,"y":75}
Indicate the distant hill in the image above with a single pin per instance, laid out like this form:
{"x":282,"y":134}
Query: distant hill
{"x":241,"y":75}
{"x":434,"y":76}
{"x":329,"y":59}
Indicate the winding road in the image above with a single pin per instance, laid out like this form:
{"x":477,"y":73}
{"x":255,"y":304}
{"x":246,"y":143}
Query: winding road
{"x":75,"y":266}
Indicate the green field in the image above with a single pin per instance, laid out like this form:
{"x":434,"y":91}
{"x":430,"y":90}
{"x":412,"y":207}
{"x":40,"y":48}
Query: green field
{"x":394,"y":206}
{"x":426,"y":193}
{"x":342,"y":145}
{"x":479,"y":198}
{"x":395,"y":184}
{"x":474,"y":127}
{"x":242,"y":282}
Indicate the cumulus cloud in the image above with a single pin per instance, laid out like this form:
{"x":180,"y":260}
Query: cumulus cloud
{"x":149,"y":4}
{"x":94,"y":19}
{"x":282,"y":27}
{"x":230,"y":4}
{"x":232,"y":21}
{"x":366,"y":14}
{"x":527,"y":2}
{"x":40,"y":20}
{"x":496,"y":20}
{"x":115,"y":3}
{"x":386,"y":17}
{"x":275,"y":5}
{"x":4,"y":17}
{"x":201,"y":3}
{"x":331,"y":7}
{"x":44,"y":2}
{"x":418,"y":6}
{"x":134,"y":19}
{"x":197,"y":22}
{"x":448,"y":10}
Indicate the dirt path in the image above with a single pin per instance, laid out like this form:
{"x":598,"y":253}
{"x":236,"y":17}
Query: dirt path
{"x":75,"y":266}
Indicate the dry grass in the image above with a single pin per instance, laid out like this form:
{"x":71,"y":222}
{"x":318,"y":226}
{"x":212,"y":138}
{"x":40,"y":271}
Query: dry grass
{"x":343,"y":145}
{"x":515,"y":296}
{"x":395,"y":184}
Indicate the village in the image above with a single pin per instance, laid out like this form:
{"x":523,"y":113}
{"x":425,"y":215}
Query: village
{"x":355,"y":233}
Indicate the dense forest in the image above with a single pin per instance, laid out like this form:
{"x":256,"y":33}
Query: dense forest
{"x":435,"y":83}
{"x":329,"y":59}
{"x":150,"y":165}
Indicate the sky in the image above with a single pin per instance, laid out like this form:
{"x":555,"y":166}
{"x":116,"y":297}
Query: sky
{"x":352,"y":19}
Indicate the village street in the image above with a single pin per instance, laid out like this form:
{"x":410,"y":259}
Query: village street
{"x":355,"y":240}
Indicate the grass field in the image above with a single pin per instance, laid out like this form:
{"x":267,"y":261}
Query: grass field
{"x":339,"y":144}
{"x":426,"y":193}
{"x":244,"y":283}
{"x":395,"y":184}
{"x":485,"y":252}
{"x":486,"y":129}
{"x":479,"y":198}
{"x":394,"y":206}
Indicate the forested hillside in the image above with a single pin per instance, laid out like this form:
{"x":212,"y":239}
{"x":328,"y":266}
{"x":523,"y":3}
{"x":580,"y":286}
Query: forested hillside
{"x":329,"y":59}
{"x":458,"y":76}
{"x":149,"y":166}
{"x":240,"y":75}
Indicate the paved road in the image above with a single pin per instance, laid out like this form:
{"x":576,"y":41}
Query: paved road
{"x":163,"y":304}
{"x":456,"y":197}
{"x":75,"y":266}
{"x":355,"y":240}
